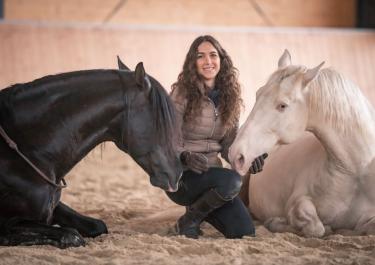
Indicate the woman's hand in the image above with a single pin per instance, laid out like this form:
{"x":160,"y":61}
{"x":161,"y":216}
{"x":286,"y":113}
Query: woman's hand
{"x":257,"y":164}
{"x":194,"y":161}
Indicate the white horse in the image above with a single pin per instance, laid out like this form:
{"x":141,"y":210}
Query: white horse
{"x":314,"y":183}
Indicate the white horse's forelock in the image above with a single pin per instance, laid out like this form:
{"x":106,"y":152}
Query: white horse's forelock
{"x":280,"y":74}
{"x":339,"y":102}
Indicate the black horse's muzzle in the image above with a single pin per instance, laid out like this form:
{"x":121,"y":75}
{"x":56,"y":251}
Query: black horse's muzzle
{"x":165,"y":171}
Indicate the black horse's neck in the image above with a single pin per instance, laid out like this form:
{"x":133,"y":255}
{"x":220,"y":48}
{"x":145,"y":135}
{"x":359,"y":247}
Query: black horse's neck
{"x":63,"y":116}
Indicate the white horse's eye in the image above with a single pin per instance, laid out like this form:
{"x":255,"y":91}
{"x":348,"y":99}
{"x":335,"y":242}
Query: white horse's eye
{"x":281,"y":107}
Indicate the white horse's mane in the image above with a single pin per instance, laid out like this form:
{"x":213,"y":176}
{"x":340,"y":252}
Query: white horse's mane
{"x":340,"y":103}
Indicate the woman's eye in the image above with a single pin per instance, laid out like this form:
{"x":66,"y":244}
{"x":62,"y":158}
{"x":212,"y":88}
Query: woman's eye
{"x":281,"y":107}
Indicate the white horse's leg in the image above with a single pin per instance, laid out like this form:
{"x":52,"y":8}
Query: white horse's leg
{"x":366,"y":225}
{"x":279,"y":225}
{"x":303,"y":216}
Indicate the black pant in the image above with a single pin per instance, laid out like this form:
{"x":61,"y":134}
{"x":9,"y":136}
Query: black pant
{"x":232,"y":219}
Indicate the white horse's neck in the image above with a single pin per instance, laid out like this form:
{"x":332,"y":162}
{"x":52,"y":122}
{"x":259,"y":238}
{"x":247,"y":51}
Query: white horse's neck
{"x":343,"y":121}
{"x":351,"y":153}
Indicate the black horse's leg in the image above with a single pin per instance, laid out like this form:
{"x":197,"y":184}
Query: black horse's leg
{"x":65,"y":216}
{"x":24,"y":232}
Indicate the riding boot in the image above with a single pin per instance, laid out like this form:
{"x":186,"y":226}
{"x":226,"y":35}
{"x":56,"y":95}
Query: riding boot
{"x":189,"y":223}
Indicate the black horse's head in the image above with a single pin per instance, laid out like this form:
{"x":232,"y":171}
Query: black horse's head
{"x":149,"y":129}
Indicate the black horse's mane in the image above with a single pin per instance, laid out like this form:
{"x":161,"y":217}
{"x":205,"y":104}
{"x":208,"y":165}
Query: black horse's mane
{"x":163,"y":110}
{"x":164,"y":116}
{"x":54,"y":78}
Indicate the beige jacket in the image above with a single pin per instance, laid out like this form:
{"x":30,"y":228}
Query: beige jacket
{"x":205,"y":134}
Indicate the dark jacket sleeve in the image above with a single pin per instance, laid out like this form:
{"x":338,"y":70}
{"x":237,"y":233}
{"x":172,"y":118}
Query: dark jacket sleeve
{"x":227,"y":141}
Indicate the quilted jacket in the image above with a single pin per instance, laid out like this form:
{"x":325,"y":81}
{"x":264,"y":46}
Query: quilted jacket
{"x":206,"y":133}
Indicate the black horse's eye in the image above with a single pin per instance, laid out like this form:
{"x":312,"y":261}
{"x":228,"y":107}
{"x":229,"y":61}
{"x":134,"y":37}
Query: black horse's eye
{"x":281,"y":107}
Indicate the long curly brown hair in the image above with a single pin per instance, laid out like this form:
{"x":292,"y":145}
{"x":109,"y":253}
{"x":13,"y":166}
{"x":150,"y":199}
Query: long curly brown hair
{"x":190,"y":84}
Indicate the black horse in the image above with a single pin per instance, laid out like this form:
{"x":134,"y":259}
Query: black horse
{"x":54,"y":122}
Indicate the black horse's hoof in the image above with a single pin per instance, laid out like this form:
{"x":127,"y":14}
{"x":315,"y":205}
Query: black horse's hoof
{"x":99,"y":228}
{"x":71,"y":238}
{"x":58,"y":237}
{"x":93,"y":228}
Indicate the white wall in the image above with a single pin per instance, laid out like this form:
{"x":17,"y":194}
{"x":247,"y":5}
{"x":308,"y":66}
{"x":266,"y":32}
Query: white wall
{"x":29,"y":51}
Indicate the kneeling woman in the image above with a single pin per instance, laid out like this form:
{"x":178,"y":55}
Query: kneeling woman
{"x":208,"y":102}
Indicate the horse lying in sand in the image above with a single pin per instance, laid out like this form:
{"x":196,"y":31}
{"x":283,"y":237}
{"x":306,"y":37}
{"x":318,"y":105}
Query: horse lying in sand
{"x":319,"y":183}
{"x":50,"y":124}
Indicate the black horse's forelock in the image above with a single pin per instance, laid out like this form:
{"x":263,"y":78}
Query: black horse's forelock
{"x":164,"y":117}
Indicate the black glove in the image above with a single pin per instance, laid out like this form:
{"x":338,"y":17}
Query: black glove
{"x":257,"y":164}
{"x":194,"y":161}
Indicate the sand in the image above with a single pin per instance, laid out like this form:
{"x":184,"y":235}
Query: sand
{"x":109,"y":185}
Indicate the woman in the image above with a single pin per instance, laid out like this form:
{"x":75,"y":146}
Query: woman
{"x":208,"y":102}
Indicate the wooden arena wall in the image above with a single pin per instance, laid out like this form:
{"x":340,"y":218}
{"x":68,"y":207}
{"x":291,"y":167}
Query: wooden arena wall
{"x":31,"y":50}
{"x":316,"y":13}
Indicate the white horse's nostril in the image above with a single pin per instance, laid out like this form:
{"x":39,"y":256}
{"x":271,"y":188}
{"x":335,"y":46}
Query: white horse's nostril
{"x":240,"y":161}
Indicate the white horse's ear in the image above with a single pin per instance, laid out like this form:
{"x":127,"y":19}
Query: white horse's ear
{"x":285,"y":59}
{"x":311,"y":74}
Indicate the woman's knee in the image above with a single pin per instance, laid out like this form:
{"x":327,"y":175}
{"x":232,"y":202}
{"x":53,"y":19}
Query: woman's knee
{"x":233,"y":220}
{"x":240,"y":232}
{"x":229,"y":183}
{"x":242,"y":222}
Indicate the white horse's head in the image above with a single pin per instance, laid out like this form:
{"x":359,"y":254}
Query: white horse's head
{"x":279,"y":116}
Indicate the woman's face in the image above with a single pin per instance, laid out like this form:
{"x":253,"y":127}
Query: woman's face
{"x":208,"y":62}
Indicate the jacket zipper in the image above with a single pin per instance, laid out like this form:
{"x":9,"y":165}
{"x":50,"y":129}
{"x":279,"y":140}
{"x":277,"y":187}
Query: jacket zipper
{"x":213,"y":128}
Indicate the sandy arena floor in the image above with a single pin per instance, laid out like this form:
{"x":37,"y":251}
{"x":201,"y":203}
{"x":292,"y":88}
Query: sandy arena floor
{"x":110,"y":186}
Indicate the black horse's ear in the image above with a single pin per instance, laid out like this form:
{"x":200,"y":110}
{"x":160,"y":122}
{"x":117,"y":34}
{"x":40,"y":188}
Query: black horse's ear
{"x":121,"y":65}
{"x":140,"y":74}
{"x":141,"y":78}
